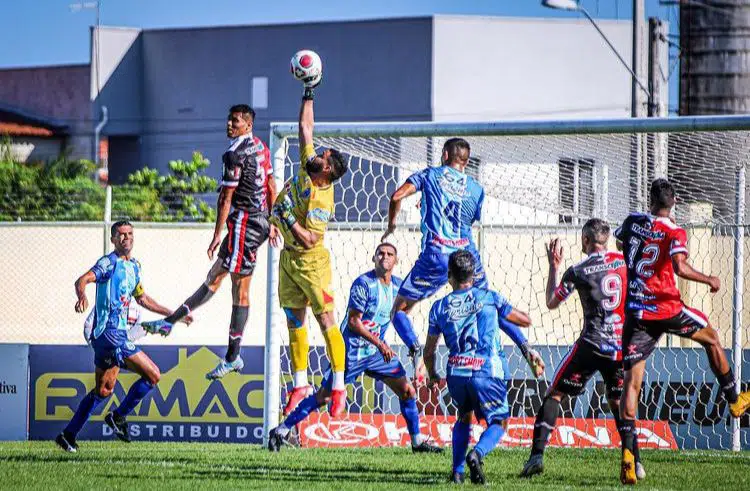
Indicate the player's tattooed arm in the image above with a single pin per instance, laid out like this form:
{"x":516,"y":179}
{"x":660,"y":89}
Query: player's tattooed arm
{"x":683,"y":269}
{"x":394,"y":207}
{"x":358,"y":328}
{"x":147,"y":302}
{"x":430,"y":349}
{"x":223,"y":205}
{"x":83,"y":303}
{"x":306,"y":237}
{"x":306,"y":122}
{"x":519,"y":318}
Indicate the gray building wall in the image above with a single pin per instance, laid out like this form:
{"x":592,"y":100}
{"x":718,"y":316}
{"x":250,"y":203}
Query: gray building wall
{"x":56,"y":92}
{"x":373,"y":70}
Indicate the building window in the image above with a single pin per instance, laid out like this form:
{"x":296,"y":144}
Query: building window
{"x":259,"y":93}
{"x":576,"y":190}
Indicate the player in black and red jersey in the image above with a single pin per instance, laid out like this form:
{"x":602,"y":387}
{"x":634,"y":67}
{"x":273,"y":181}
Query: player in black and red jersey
{"x":247,"y":194}
{"x":601,"y":283}
{"x":655,"y":250}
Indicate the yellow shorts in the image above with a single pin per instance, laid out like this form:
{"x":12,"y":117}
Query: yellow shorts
{"x":305,"y":279}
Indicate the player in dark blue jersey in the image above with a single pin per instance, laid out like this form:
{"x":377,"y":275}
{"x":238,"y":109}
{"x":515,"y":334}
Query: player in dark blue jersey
{"x":470,"y":320}
{"x":451,"y":202}
{"x":370,"y":301}
{"x":118,"y":280}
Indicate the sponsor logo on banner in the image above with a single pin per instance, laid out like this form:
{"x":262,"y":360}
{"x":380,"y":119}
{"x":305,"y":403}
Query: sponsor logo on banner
{"x":14,"y":374}
{"x":368,"y":430}
{"x":184,"y":406}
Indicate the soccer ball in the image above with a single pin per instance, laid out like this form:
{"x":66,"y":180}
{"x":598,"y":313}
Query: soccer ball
{"x":307,"y":67}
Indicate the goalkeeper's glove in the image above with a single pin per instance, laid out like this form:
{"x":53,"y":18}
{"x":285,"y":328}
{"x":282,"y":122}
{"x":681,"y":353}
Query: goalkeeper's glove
{"x":533,"y":358}
{"x":283,"y":211}
{"x":310,"y":83}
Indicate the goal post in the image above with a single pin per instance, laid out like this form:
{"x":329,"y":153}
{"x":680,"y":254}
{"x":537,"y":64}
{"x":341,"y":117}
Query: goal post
{"x":541,"y":179}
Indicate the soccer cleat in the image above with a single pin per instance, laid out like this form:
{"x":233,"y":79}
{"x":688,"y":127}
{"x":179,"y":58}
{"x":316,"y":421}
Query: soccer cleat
{"x":640,"y":471}
{"x":426,"y":447}
{"x":119,"y":426}
{"x":295,"y":397}
{"x":533,"y":466}
{"x":224,"y":367}
{"x":627,"y":468}
{"x":457,"y":478}
{"x":157,"y":327}
{"x":476,"y":467}
{"x":275,"y":441}
{"x":66,"y":442}
{"x":741,"y":405}
{"x":338,"y":403}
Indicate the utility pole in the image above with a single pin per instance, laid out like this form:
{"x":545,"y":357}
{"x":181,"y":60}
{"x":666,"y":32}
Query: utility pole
{"x":657,"y":107}
{"x":638,"y":162}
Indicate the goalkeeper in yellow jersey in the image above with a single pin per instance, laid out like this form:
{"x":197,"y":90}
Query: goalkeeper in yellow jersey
{"x":302,"y":211}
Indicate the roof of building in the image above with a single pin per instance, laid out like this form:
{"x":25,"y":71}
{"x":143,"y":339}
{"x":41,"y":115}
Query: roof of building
{"x":19,"y":122}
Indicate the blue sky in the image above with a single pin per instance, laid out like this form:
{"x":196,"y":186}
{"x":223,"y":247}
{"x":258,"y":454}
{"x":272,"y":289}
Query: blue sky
{"x":47,"y":32}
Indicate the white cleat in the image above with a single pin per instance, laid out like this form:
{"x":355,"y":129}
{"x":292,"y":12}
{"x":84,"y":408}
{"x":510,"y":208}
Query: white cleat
{"x":640,"y":471}
{"x":224,"y":367}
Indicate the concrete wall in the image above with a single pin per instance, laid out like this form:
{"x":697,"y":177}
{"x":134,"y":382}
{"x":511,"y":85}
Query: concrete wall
{"x":58,"y":92}
{"x":38,"y":295}
{"x":31,"y":149}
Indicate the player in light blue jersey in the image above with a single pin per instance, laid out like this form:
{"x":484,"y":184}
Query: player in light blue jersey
{"x":118,"y":280}
{"x":370,"y":301}
{"x":451,"y":202}
{"x":470,"y":320}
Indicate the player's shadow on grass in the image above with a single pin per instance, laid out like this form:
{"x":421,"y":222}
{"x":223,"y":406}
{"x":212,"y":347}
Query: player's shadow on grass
{"x":335,"y":473}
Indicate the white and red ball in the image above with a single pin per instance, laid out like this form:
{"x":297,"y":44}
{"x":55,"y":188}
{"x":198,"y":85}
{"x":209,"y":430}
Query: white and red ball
{"x":306,"y":66}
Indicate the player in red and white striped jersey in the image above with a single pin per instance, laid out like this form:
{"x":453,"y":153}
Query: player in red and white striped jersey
{"x":655,"y":250}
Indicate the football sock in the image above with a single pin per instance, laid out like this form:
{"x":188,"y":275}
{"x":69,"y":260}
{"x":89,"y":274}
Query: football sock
{"x":336,"y":354}
{"x":137,"y":392}
{"x":636,"y":450}
{"x":86,"y":407}
{"x":544,"y":424}
{"x":303,"y":409}
{"x":489,"y":439}
{"x":404,"y":328}
{"x":461,"y":434}
{"x":236,"y":329}
{"x":728,"y":387}
{"x":626,"y":428}
{"x":411,"y":414}
{"x":299,"y":345}
{"x":201,"y":296}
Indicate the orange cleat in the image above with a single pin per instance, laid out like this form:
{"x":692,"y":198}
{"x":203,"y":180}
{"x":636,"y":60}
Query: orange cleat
{"x":295,"y":397}
{"x":338,"y":403}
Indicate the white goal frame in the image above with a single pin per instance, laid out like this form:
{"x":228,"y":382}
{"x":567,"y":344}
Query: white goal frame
{"x":280,"y":131}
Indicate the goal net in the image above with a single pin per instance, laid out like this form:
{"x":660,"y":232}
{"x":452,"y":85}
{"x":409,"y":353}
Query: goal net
{"x":541,"y":180}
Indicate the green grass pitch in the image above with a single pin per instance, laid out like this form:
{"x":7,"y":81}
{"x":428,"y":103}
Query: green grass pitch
{"x":162,"y":466}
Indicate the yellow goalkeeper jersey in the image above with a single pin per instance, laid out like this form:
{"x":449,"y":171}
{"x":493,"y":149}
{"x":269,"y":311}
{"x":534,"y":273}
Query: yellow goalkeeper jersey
{"x":313,"y":205}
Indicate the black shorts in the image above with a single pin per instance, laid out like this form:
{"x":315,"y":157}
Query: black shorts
{"x":640,"y":337}
{"x":240,"y":246}
{"x":580,"y":364}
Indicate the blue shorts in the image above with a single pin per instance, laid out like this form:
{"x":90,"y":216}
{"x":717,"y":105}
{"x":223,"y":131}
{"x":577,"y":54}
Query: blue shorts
{"x":112,"y":348}
{"x":486,"y":396}
{"x":373,"y":366}
{"x":430,"y":274}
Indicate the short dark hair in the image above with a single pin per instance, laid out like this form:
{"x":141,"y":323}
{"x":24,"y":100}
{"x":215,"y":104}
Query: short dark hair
{"x":455,"y":147}
{"x":338,"y":164}
{"x":662,"y":193}
{"x":243,"y":109}
{"x":461,"y":266}
{"x":596,"y":230}
{"x":118,"y":224}
{"x":386,"y":244}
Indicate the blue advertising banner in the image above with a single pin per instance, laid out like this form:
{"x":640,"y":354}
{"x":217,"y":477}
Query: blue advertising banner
{"x":184,"y":406}
{"x":14,"y":391}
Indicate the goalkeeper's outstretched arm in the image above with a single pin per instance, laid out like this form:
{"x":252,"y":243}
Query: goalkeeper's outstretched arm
{"x":306,"y":118}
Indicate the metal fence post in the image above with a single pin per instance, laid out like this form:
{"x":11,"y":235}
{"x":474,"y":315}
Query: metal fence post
{"x":737,"y":304}
{"x":107,"y":219}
